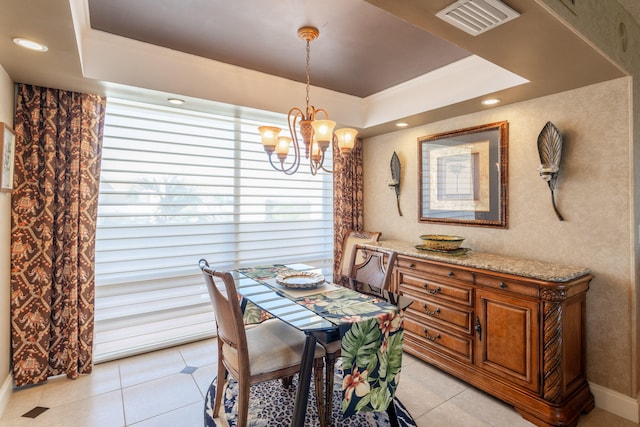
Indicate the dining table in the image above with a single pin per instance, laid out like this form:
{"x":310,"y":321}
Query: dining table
{"x":369,"y":327}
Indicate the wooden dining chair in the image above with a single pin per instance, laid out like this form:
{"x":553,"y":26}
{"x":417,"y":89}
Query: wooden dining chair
{"x":263,"y":352}
{"x":370,"y":270}
{"x":373,"y":272}
{"x":351,"y":239}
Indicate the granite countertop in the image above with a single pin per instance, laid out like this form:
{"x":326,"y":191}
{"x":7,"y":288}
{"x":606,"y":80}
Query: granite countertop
{"x":541,"y":270}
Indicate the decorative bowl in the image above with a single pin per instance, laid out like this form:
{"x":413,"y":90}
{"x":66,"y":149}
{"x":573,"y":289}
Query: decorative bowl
{"x":441,"y":242}
{"x":300,"y":280}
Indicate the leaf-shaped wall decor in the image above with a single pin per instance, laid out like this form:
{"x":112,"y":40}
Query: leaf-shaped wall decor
{"x":395,"y":178}
{"x":550,"y":152}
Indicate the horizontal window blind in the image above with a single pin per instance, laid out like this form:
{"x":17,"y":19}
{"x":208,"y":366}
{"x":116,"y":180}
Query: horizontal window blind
{"x":177,"y":186}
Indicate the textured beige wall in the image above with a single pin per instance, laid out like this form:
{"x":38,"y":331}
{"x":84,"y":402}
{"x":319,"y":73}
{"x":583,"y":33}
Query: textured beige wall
{"x":593,"y":195}
{"x":613,"y":28}
{"x":6,"y":116}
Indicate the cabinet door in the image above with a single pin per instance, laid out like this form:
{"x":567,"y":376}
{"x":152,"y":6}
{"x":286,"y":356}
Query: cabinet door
{"x":507,"y":338}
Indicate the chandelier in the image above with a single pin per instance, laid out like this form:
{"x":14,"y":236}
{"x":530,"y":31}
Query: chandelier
{"x":314,"y":127}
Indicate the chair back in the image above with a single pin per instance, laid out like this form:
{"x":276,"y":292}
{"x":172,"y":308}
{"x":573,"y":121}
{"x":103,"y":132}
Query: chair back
{"x":351,"y":239}
{"x":225,"y":307}
{"x":373,"y":271}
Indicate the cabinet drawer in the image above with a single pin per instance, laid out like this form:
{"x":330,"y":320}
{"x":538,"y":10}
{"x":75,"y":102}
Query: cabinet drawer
{"x":459,"y":318}
{"x":434,"y":289}
{"x":520,"y":288}
{"x":439,"y":340}
{"x":435,"y":269}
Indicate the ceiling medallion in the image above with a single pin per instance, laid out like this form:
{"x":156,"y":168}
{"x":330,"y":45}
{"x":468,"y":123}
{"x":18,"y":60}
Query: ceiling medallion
{"x":316,"y":134}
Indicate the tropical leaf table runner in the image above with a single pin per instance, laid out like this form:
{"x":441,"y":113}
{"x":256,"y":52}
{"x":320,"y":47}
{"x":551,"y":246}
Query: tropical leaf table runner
{"x":371,"y":333}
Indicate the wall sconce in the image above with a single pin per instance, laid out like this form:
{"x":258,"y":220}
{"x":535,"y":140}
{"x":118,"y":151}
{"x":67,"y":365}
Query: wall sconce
{"x":550,"y":151}
{"x":394,"y":182}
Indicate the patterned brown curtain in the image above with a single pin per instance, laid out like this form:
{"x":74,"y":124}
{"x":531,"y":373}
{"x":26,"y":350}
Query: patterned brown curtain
{"x":348,"y":202}
{"x":53,"y":224}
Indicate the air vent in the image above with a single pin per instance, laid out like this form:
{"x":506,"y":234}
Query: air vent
{"x":477,"y":16}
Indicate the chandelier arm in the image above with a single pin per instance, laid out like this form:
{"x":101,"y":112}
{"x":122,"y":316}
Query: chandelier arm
{"x":321,"y":165}
{"x":281,"y":168}
{"x":313,"y":168}
{"x":292,"y":120}
{"x":291,"y":169}
{"x":320,"y":110}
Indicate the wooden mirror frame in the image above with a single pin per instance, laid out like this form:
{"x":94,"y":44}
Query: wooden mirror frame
{"x":467,"y":171}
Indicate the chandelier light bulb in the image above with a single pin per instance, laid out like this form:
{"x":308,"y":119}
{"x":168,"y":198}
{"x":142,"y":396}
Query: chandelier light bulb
{"x":346,"y":139}
{"x":323,"y":130}
{"x":282,"y":148}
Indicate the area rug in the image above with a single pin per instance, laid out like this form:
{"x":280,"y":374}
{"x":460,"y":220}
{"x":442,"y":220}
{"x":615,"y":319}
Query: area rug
{"x":271,"y":405}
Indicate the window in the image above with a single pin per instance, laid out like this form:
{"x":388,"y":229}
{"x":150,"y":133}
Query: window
{"x":177,"y":186}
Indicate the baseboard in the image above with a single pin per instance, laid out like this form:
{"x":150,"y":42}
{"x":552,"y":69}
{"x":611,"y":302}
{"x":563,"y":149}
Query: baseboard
{"x":5,"y":393}
{"x":616,"y":403}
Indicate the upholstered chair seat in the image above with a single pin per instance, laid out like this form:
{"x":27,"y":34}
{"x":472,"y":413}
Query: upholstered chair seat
{"x":272,"y":345}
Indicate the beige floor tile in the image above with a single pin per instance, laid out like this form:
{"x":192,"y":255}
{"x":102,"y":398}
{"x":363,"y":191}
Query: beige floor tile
{"x":153,"y":398}
{"x":104,"y":410}
{"x":150,"y":366}
{"x":488,"y":409}
{"x":158,"y":395}
{"x":204,"y":376}
{"x":438,"y":382}
{"x":200,"y":353}
{"x":408,"y":359}
{"x":423,"y":422}
{"x":599,"y":418}
{"x":61,"y":390}
{"x":22,"y":401}
{"x":423,"y":388}
{"x":187,"y":416}
{"x":449,"y":415}
{"x":16,"y":422}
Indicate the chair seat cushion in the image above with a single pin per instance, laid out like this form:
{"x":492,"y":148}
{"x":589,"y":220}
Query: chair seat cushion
{"x":273,"y":345}
{"x":330,"y":346}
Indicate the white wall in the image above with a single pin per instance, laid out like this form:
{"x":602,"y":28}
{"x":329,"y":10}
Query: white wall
{"x":6,"y":116}
{"x":593,"y":194}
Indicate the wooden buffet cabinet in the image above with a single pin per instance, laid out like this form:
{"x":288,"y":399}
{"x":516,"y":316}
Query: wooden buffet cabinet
{"x":512,"y":327}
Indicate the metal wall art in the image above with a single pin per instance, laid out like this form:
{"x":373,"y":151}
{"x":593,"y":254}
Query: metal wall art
{"x":394,"y":182}
{"x":550,"y":151}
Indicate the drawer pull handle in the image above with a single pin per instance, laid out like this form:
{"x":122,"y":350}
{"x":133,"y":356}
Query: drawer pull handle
{"x":412,"y":265}
{"x":503,"y":285}
{"x":432,"y":291}
{"x":450,"y":274}
{"x":429,"y":337}
{"x":429,"y":312}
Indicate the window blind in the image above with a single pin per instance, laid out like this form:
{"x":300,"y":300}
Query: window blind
{"x":177,"y":186}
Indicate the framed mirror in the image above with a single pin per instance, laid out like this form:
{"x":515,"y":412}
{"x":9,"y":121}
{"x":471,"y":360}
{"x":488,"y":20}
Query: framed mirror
{"x":463,"y":176}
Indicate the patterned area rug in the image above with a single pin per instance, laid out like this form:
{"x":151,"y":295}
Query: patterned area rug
{"x":271,"y":405}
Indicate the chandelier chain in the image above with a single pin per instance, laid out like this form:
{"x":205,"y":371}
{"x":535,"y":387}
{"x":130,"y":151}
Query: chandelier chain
{"x":308,"y":72}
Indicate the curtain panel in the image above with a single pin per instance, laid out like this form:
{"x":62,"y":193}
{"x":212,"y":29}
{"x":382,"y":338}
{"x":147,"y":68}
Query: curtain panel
{"x":53,"y":223}
{"x":348,"y":199}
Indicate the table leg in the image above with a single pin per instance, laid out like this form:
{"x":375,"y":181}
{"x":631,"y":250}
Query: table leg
{"x":393,"y":417}
{"x":304,"y":381}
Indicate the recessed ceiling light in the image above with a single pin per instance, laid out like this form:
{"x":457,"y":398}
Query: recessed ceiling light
{"x":30,"y":44}
{"x":175,"y":101}
{"x":402,"y":124}
{"x":492,"y":101}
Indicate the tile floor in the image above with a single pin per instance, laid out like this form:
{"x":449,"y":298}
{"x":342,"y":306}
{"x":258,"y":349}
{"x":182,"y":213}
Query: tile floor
{"x":166,"y":389}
